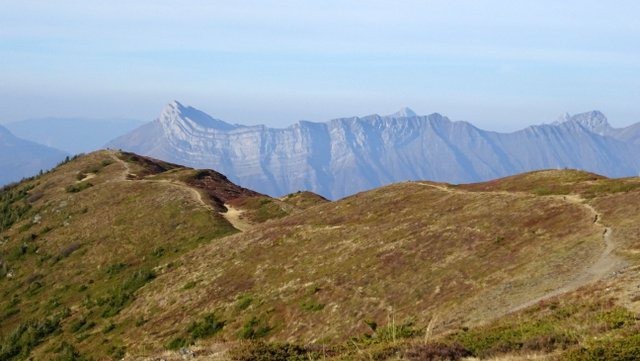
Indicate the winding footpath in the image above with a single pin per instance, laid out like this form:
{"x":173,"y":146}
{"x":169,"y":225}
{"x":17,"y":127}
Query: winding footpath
{"x":232,"y":215}
{"x":606,"y":263}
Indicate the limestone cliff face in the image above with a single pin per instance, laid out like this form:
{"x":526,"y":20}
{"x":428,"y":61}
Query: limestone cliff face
{"x":348,"y":155}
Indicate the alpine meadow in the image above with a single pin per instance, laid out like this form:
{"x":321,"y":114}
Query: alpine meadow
{"x":289,"y":206}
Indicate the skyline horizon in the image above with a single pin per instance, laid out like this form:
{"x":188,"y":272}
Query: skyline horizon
{"x":284,"y":124}
{"x":498,"y":64}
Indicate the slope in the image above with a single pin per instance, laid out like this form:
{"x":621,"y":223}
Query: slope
{"x":114,"y":254}
{"x":78,"y":242}
{"x":411,"y":250}
{"x":73,"y":135}
{"x":21,"y":158}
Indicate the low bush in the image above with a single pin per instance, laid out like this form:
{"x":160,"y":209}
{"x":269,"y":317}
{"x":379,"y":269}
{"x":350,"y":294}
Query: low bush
{"x":243,"y":302}
{"x":115,"y":268}
{"x":67,"y":352}
{"x":26,"y":336}
{"x":12,"y":205}
{"x":81,"y":325}
{"x":120,"y":296}
{"x":259,"y":351}
{"x":254,"y":328}
{"x":207,"y":327}
{"x":177,"y":343}
{"x":437,"y":351}
{"x":622,"y":349}
{"x":76,"y":188}
{"x":108,"y":327}
{"x":538,"y":335}
{"x":189,"y":285}
{"x":116,"y":351}
{"x":311,"y":305}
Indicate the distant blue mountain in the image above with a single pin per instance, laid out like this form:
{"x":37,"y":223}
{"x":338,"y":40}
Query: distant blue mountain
{"x":348,"y":155}
{"x":21,"y":158}
{"x":73,"y":135}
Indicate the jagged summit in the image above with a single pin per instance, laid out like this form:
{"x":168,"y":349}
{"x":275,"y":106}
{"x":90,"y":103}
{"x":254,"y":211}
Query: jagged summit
{"x":594,"y":121}
{"x":176,"y":113}
{"x":348,"y":155}
{"x":404,"y":112}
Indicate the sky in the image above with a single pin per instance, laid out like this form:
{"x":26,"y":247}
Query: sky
{"x":501,"y":65}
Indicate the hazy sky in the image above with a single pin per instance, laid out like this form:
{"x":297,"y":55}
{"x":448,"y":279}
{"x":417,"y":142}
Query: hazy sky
{"x":498,"y":64}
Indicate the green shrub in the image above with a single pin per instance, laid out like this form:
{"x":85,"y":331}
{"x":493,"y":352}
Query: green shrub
{"x":537,"y":335}
{"x":207,"y":327}
{"x":109,"y":327}
{"x":395,"y":332}
{"x":67,"y":352}
{"x":13,"y":206}
{"x":25,"y":337}
{"x":259,"y":351}
{"x":254,"y":328}
{"x":117,"y":352}
{"x":81,"y":324}
{"x":243,"y":302}
{"x":189,"y":285}
{"x":615,"y":318}
{"x":158,"y":252}
{"x":176,"y":343}
{"x":311,"y":305}
{"x":119,"y":297}
{"x":75,"y":188}
{"x":115,"y":268}
{"x":621,"y":349}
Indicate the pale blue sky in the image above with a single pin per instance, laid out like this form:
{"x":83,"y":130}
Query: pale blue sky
{"x":499,"y":64}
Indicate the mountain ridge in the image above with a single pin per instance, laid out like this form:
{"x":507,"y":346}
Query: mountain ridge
{"x":344,"y":156}
{"x":20,"y":158}
{"x":73,"y":135}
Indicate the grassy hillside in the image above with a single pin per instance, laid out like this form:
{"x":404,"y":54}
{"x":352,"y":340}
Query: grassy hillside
{"x":78,"y":243}
{"x":114,"y":255}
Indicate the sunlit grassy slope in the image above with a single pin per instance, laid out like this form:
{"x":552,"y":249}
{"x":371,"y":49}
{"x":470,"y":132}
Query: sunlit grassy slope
{"x":114,"y":255}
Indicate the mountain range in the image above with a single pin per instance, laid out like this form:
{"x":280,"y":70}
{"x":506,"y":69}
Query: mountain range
{"x":348,"y":155}
{"x":21,"y":158}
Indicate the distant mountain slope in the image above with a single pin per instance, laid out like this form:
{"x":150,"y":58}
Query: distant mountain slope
{"x":20,"y":158}
{"x":597,"y":122}
{"x":629,"y":134}
{"x":73,"y":135}
{"x":348,"y":155}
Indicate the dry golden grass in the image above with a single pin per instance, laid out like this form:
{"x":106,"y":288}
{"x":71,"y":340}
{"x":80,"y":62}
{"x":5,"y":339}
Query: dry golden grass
{"x":406,"y":251}
{"x":421,"y":260}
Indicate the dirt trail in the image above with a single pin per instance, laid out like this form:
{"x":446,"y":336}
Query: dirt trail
{"x":436,"y":186}
{"x":127,"y":170}
{"x":606,"y":263}
{"x":232,"y":215}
